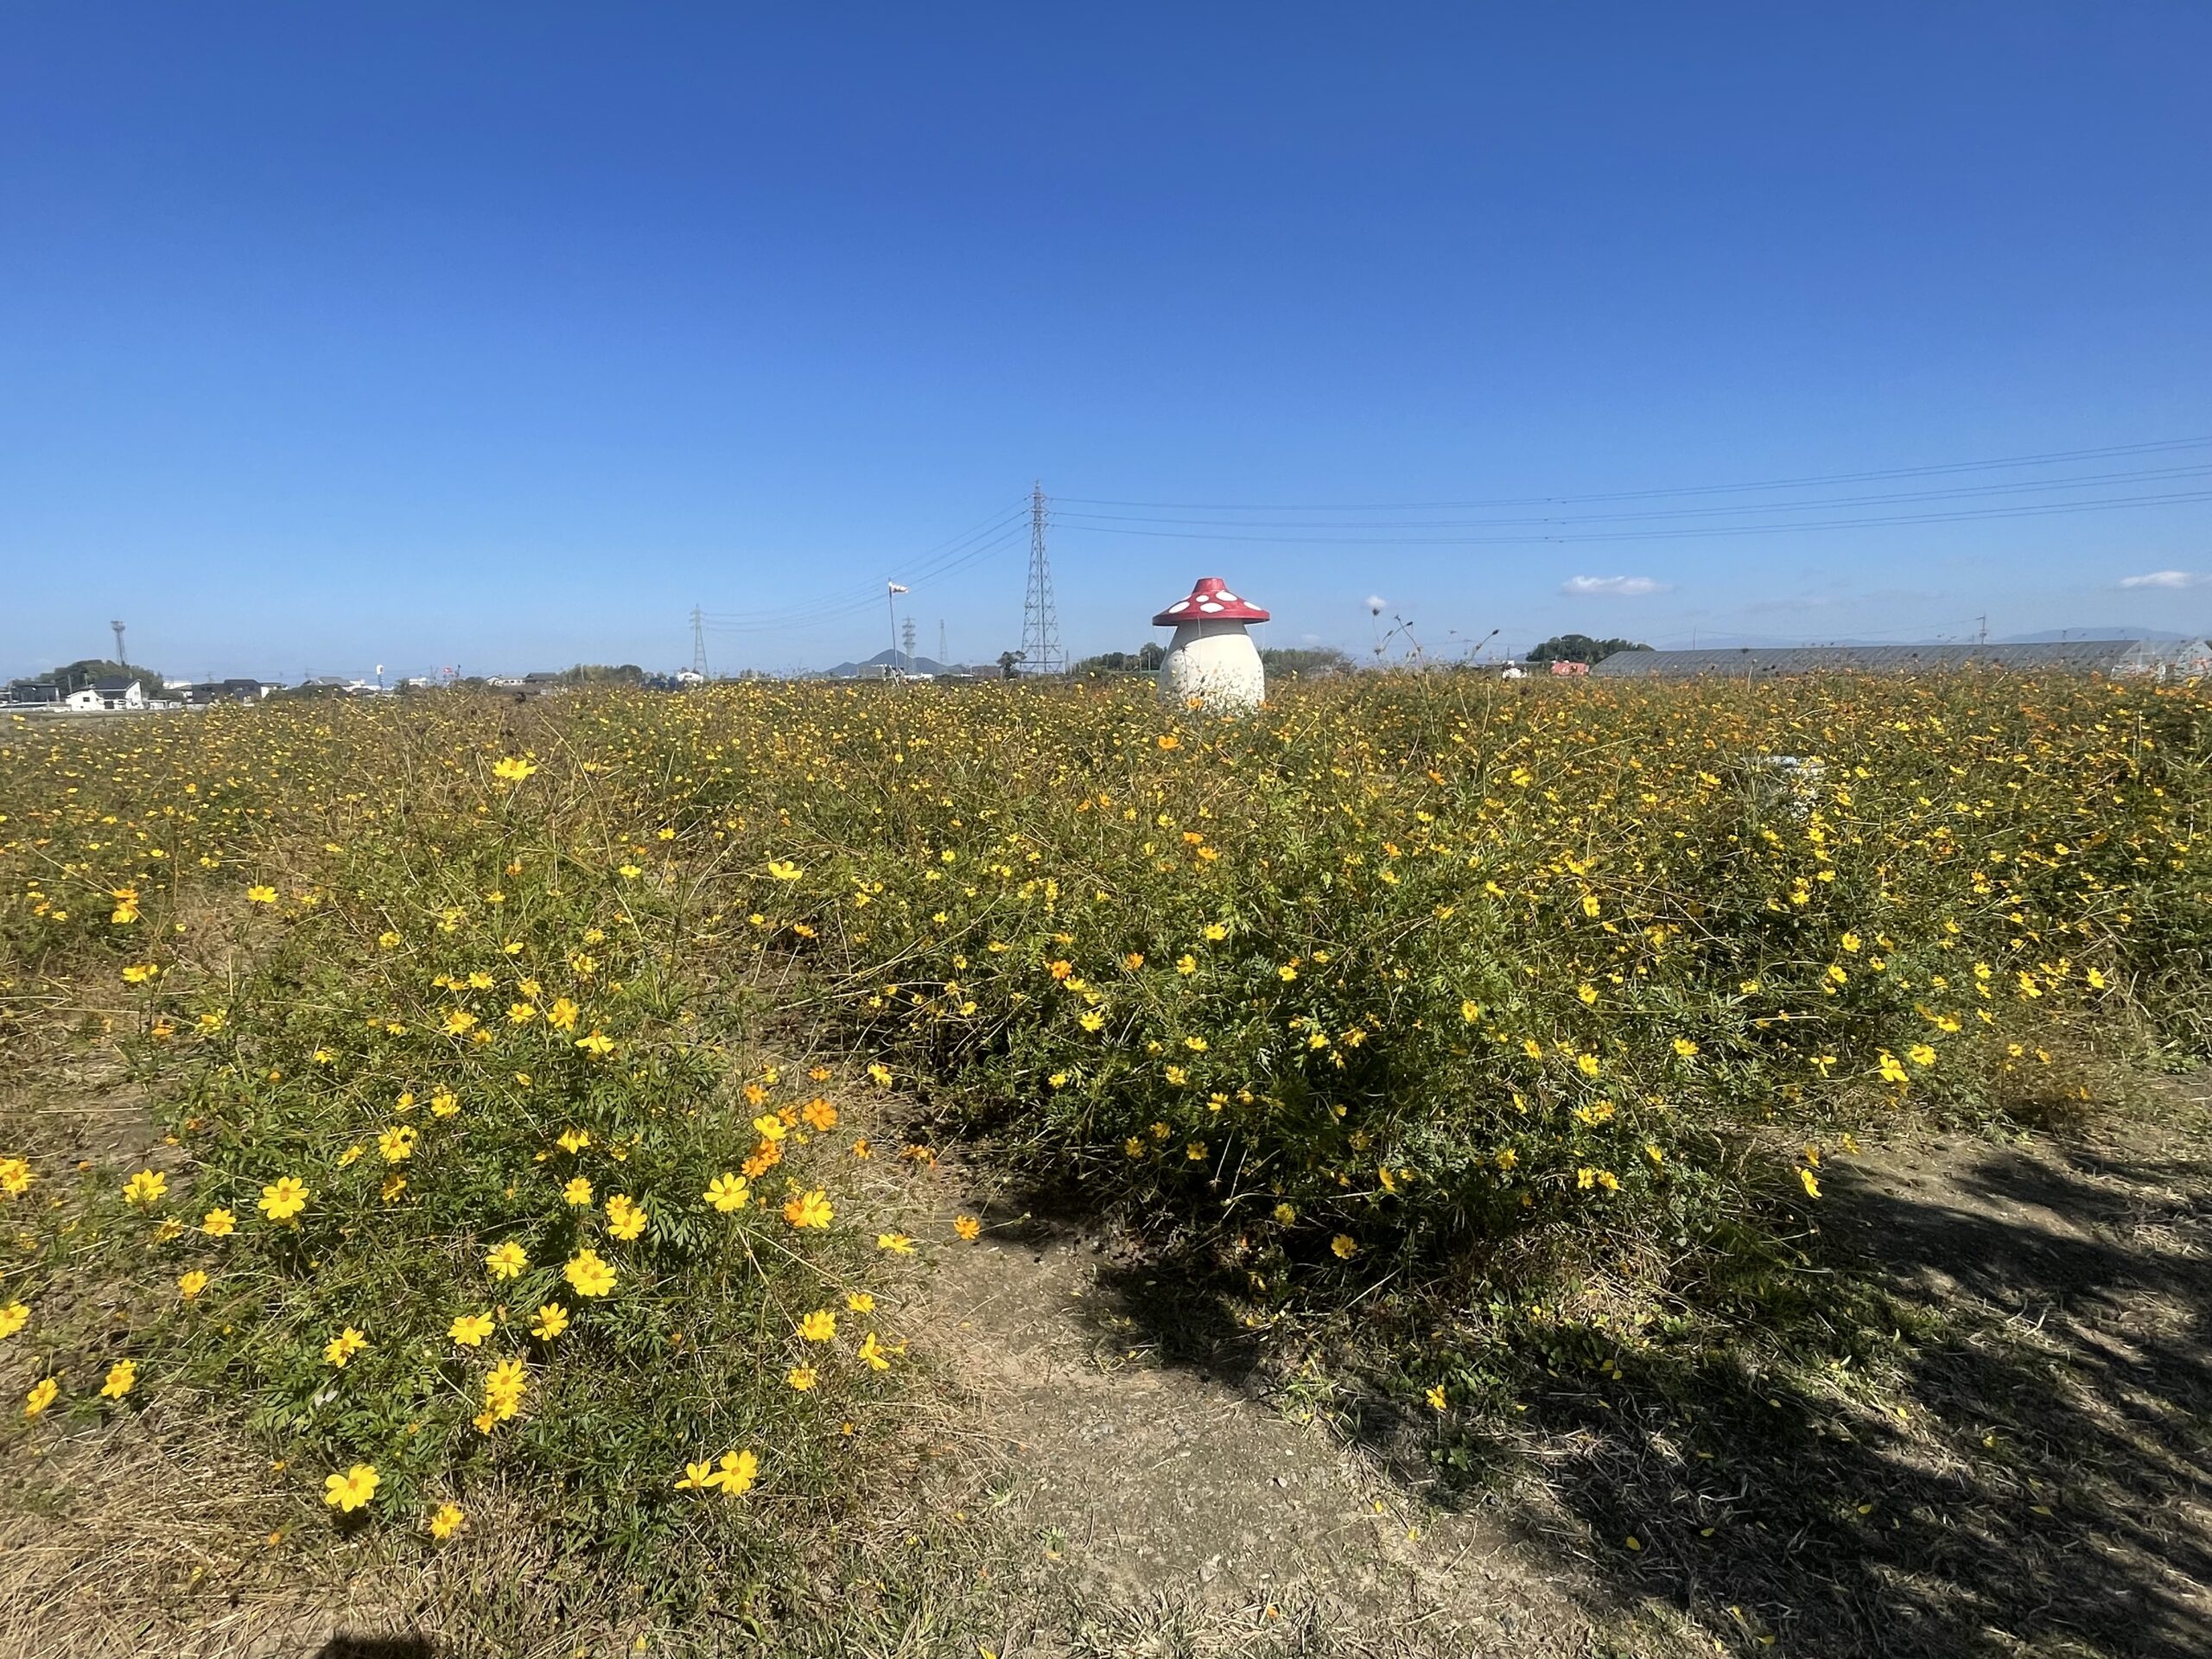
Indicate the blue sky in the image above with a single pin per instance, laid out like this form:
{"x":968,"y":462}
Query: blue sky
{"x":501,"y":335}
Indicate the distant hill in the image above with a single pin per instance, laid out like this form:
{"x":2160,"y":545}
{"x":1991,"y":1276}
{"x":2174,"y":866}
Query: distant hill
{"x":887,"y":659}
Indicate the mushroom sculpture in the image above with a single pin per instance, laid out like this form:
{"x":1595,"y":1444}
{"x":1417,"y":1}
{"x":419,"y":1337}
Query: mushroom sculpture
{"x":1212,"y":661}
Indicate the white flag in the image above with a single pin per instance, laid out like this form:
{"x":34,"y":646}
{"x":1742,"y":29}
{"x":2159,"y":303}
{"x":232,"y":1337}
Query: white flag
{"x":898,"y":587}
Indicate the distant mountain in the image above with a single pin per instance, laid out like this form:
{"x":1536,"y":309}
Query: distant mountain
{"x":887,"y":659}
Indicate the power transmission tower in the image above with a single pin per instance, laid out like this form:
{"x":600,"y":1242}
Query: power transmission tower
{"x":698,"y":642}
{"x":1040,"y":622}
{"x":119,"y":657}
{"x":943,"y":660}
{"x":906,"y":637}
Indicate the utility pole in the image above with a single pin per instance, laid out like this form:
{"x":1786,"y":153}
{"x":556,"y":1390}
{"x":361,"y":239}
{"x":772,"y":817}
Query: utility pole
{"x":698,"y":642}
{"x":1982,"y":637}
{"x":1040,"y":621}
{"x":119,"y":657}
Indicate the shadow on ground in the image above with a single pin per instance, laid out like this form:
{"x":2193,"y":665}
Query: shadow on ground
{"x":2020,"y":1464}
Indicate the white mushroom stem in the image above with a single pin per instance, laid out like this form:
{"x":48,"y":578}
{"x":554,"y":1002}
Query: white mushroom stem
{"x":1215,"y":663}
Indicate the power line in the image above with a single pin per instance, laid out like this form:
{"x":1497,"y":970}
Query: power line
{"x":1956,"y":492}
{"x":837,"y":609}
{"x":2045,"y":510}
{"x":924,"y":563}
{"x":2049,"y":458}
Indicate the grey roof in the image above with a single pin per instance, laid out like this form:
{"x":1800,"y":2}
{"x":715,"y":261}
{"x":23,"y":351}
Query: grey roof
{"x":2072,"y":656}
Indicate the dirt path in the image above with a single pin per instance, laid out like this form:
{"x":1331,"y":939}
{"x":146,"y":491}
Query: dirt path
{"x":1149,"y":1478}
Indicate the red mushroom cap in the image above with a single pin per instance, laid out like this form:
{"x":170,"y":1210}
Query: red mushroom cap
{"x":1210,"y":601}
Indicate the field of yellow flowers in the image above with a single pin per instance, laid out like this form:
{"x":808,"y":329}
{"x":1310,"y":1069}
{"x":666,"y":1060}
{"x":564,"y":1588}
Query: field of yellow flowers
{"x":453,"y":1011}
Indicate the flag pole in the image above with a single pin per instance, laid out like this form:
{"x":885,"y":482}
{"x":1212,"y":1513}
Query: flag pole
{"x":891,"y":608}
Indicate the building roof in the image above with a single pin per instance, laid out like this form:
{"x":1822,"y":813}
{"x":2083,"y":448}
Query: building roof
{"x":2075,"y":656}
{"x":109,"y":684}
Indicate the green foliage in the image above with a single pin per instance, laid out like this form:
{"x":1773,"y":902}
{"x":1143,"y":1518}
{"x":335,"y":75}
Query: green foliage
{"x":1581,"y":648}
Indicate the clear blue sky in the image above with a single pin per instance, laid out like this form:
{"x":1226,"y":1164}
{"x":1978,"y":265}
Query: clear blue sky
{"x":337,"y":335}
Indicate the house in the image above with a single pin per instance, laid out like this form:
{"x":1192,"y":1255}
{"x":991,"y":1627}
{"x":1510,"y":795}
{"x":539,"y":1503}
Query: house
{"x":34,"y":693}
{"x":112,"y":693}
{"x":203,"y":693}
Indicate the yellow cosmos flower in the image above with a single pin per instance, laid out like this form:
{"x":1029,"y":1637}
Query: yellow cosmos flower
{"x":561,"y":1016}
{"x":1807,"y":1179}
{"x":801,"y":1377}
{"x":625,"y":1219}
{"x":13,"y":1316}
{"x":353,"y":1490}
{"x":809,"y":1210}
{"x":260,"y":895}
{"x":736,"y":1471}
{"x":282,"y":1199}
{"x":343,"y":1346}
{"x":396,"y":1144}
{"x":860,"y":1301}
{"x":145,"y":1188}
{"x":872,"y":1351}
{"x":897,"y":1243}
{"x":505,"y":1260}
{"x":1344,"y":1246}
{"x":122,"y":1377}
{"x":577,"y":1192}
{"x":727,"y":1192}
{"x":821,"y":1326}
{"x":469,"y":1330}
{"x":14,"y":1176}
{"x":512,"y":769}
{"x":783,"y":869}
{"x":189,"y":1285}
{"x":552,"y":1320}
{"x":446,"y":1521}
{"x":43,"y":1393}
{"x":588,"y":1274}
{"x":598,"y":1045}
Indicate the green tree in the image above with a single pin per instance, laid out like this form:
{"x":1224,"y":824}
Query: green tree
{"x":1581,"y":648}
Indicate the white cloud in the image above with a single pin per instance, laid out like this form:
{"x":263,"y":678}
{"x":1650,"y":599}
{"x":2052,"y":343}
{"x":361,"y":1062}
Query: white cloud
{"x":1616,"y":587}
{"x":1377,"y":604}
{"x":2166,"y":579}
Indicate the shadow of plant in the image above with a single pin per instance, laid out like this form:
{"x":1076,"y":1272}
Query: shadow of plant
{"x":1971,"y":1417}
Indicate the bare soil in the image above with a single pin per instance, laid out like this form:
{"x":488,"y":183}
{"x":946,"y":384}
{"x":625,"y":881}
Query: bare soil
{"x":1149,"y":1477}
